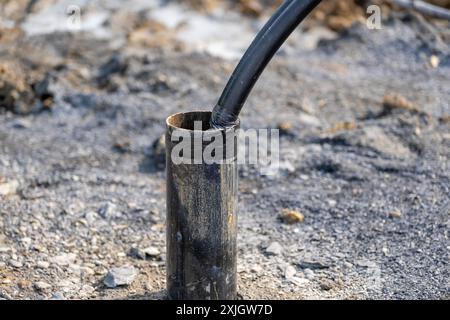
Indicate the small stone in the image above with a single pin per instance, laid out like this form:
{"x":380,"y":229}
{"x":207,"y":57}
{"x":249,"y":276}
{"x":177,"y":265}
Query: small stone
{"x":397,"y":101}
{"x":290,"y":272}
{"x":348,"y":265}
{"x":274,"y":249}
{"x":108,"y":210}
{"x":122,"y":145}
{"x":298,"y":281}
{"x":309,"y":274}
{"x":256,"y":268}
{"x":58,"y":296}
{"x":86,"y":290}
{"x":309,"y":120}
{"x":87,"y":271}
{"x":434,"y":61}
{"x":4,"y":249}
{"x":91,"y":216}
{"x":42,"y":286}
{"x":42,"y":264}
{"x":331,"y":202}
{"x":121,"y":276}
{"x":151,"y":251}
{"x":15,"y":263}
{"x":64,"y":259}
{"x":291,"y":216}
{"x":21,"y":124}
{"x":137,"y":253}
{"x":285,"y":128}
{"x":395,"y":214}
{"x":8,"y":187}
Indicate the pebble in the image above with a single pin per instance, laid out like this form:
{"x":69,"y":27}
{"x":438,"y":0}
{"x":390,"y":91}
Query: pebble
{"x":291,"y":216}
{"x":90,"y":217}
{"x":137,"y":253}
{"x":121,"y":276}
{"x":274,"y":249}
{"x":152,"y":251}
{"x":309,"y":120}
{"x":434,"y":61}
{"x":58,"y":296}
{"x":256,"y":268}
{"x":8,"y":187}
{"x":298,"y":281}
{"x":290,"y":272}
{"x":395,"y":214}
{"x":108,"y":210}
{"x":42,"y":286}
{"x":64,"y":259}
{"x":43,"y":264}
{"x":309,"y":274}
{"x":15,"y":263}
{"x":4,"y":249}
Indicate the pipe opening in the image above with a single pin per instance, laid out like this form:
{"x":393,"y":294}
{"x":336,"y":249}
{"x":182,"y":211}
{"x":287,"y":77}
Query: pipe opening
{"x":187,"y":120}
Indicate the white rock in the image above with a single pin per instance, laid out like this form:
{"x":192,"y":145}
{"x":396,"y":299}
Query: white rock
{"x":290,"y":272}
{"x":4,"y":249}
{"x":42,"y":264}
{"x":15,"y":263}
{"x":8,"y":187}
{"x":151,"y":251}
{"x":58,"y":296}
{"x":64,"y":259}
{"x":299,"y":281}
{"x":274,"y":249}
{"x":90,"y":216}
{"x":108,"y":210}
{"x":309,"y":274}
{"x":121,"y":276}
{"x":40,"y":285}
{"x":256,"y":268}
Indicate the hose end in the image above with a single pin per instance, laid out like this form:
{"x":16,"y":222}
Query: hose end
{"x":221,"y":120}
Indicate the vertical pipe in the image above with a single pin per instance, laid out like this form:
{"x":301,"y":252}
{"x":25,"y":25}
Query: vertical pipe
{"x":201,"y":215}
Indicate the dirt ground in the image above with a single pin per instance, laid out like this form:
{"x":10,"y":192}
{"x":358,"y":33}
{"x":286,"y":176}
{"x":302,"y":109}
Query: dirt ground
{"x":365,"y":148}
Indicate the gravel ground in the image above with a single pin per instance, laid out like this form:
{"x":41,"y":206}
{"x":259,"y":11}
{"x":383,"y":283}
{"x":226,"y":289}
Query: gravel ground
{"x":364,"y":158}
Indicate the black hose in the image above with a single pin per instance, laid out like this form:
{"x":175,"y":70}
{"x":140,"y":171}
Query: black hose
{"x":287,"y":17}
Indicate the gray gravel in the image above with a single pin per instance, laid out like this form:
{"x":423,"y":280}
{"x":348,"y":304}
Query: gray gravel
{"x":83,"y":191}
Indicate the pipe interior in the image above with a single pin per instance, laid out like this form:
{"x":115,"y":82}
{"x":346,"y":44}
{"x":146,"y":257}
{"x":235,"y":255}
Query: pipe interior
{"x":186,"y":120}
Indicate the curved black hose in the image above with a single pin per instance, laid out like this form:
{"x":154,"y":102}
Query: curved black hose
{"x":287,"y":17}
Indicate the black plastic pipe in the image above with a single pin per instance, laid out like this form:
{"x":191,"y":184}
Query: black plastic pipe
{"x":287,"y":17}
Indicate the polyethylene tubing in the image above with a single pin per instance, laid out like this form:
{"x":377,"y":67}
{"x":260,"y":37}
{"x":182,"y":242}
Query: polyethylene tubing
{"x":267,"y":42}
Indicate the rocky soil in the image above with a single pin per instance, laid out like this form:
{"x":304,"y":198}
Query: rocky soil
{"x":358,"y":210}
